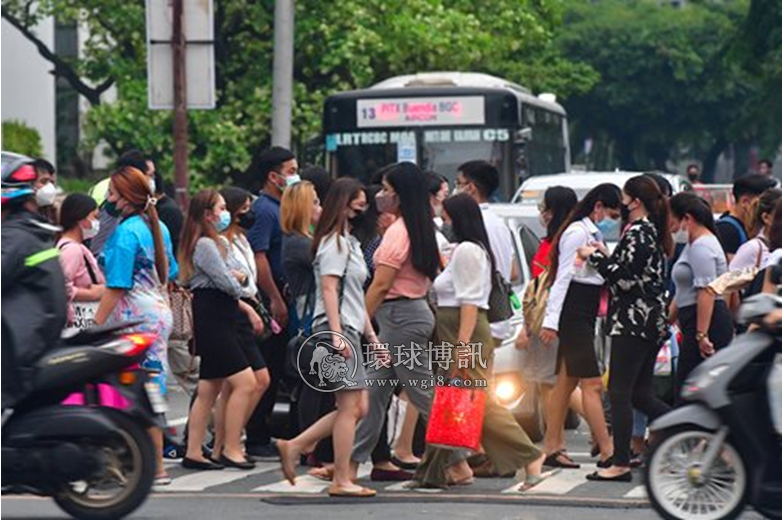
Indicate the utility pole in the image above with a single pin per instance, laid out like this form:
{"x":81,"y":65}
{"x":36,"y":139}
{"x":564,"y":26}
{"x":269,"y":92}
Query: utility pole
{"x":178,"y":45}
{"x":283,"y":73}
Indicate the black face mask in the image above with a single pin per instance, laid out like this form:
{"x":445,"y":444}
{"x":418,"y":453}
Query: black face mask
{"x":247,"y":220}
{"x":625,"y":212}
{"x":358,"y":219}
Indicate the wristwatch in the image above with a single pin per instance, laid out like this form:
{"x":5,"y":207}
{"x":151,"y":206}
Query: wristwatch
{"x":700,"y":336}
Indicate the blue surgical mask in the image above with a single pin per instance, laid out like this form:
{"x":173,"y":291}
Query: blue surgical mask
{"x":608,"y":227}
{"x":224,"y":221}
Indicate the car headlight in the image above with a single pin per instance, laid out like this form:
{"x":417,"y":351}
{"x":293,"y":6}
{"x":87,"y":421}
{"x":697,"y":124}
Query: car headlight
{"x":506,"y":391}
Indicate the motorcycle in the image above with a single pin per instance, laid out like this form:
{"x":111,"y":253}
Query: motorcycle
{"x":720,"y":451}
{"x":96,"y":462}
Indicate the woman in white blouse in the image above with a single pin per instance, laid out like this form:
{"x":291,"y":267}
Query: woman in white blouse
{"x":571,"y":312}
{"x":463,"y":290}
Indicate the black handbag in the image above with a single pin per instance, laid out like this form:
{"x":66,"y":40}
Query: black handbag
{"x":500,"y":308}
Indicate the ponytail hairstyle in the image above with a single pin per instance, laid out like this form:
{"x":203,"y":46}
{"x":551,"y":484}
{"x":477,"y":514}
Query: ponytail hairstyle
{"x":133,"y":186}
{"x":689,"y":204}
{"x":608,"y":194}
{"x":646,"y":190}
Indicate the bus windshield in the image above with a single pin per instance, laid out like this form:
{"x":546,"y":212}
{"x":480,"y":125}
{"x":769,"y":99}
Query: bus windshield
{"x":361,"y":161}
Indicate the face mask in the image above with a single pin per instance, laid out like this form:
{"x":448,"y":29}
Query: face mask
{"x":153,"y":187}
{"x":358,"y":219}
{"x":46,"y":195}
{"x":89,"y":233}
{"x":111,"y":209}
{"x":292,"y":180}
{"x":247,"y":220}
{"x":681,"y":236}
{"x":457,"y":191}
{"x":287,"y":181}
{"x":386,"y":202}
{"x":224,"y":221}
{"x":625,"y":212}
{"x":437,"y":210}
{"x":608,"y":226}
{"x":542,"y":221}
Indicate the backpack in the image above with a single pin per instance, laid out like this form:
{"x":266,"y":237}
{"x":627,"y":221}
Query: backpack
{"x":534,"y":302}
{"x":743,"y":235}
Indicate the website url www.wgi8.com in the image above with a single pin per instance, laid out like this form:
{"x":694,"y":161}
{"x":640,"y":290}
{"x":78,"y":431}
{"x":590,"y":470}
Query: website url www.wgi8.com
{"x":424,"y":384}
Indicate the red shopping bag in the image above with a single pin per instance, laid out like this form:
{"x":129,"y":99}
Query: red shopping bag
{"x":456,"y":418}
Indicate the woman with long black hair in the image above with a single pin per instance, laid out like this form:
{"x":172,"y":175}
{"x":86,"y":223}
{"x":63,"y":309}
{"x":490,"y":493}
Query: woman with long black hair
{"x":463,"y":290}
{"x":406,"y":263}
{"x":571,"y":312}
{"x":635,"y":273}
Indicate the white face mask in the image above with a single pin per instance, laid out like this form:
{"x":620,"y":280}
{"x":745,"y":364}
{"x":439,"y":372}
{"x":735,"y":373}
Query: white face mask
{"x":89,"y":233}
{"x":457,"y":191}
{"x":46,"y":195}
{"x":681,"y":236}
{"x":437,"y":210}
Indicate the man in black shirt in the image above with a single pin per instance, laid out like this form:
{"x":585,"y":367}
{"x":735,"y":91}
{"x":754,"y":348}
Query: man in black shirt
{"x":168,"y":211}
{"x":737,"y":225}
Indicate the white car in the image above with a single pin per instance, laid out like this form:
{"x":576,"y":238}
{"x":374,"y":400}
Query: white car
{"x":510,"y":387}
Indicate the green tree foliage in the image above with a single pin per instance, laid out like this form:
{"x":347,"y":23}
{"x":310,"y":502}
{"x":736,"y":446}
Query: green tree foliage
{"x":341,"y":45}
{"x":18,"y":137}
{"x":672,"y":81}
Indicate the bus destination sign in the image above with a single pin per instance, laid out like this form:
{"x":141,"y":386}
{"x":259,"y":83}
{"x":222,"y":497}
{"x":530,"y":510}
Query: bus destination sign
{"x":406,"y":112}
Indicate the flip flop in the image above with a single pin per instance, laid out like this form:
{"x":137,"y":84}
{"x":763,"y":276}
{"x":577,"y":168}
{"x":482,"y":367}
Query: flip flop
{"x":358,"y":493}
{"x":531,"y":482}
{"x":554,"y":460}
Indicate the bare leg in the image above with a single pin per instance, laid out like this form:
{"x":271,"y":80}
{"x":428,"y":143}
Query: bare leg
{"x":351,"y":406}
{"x":243,"y":385}
{"x":556,"y":412}
{"x":157,"y":441}
{"x":403,"y":446}
{"x":594,"y":414}
{"x":199,"y":416}
{"x":219,"y":419}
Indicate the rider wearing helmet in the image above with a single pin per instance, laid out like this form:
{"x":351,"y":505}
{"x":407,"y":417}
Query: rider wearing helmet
{"x":33,"y":287}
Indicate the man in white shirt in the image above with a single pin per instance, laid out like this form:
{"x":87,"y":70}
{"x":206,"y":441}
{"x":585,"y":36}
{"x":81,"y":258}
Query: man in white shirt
{"x":480,"y":179}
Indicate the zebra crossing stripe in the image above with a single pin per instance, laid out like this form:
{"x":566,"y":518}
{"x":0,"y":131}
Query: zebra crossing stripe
{"x":560,"y":484}
{"x":306,"y":483}
{"x":637,"y":492}
{"x":202,"y":480}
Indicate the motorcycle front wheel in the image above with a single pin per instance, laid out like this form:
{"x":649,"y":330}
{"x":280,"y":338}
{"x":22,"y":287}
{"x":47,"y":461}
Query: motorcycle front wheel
{"x":680,"y":488}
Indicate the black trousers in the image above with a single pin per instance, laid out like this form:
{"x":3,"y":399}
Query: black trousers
{"x":721,"y":332}
{"x":631,"y":386}
{"x":259,"y":431}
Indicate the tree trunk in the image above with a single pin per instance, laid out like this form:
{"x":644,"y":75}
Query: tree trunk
{"x":711,"y":159}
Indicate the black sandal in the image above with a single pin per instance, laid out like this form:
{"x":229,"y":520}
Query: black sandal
{"x":553,"y":460}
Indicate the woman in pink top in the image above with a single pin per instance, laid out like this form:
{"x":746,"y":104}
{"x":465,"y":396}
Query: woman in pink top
{"x":84,"y":279}
{"x":406,"y":263}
